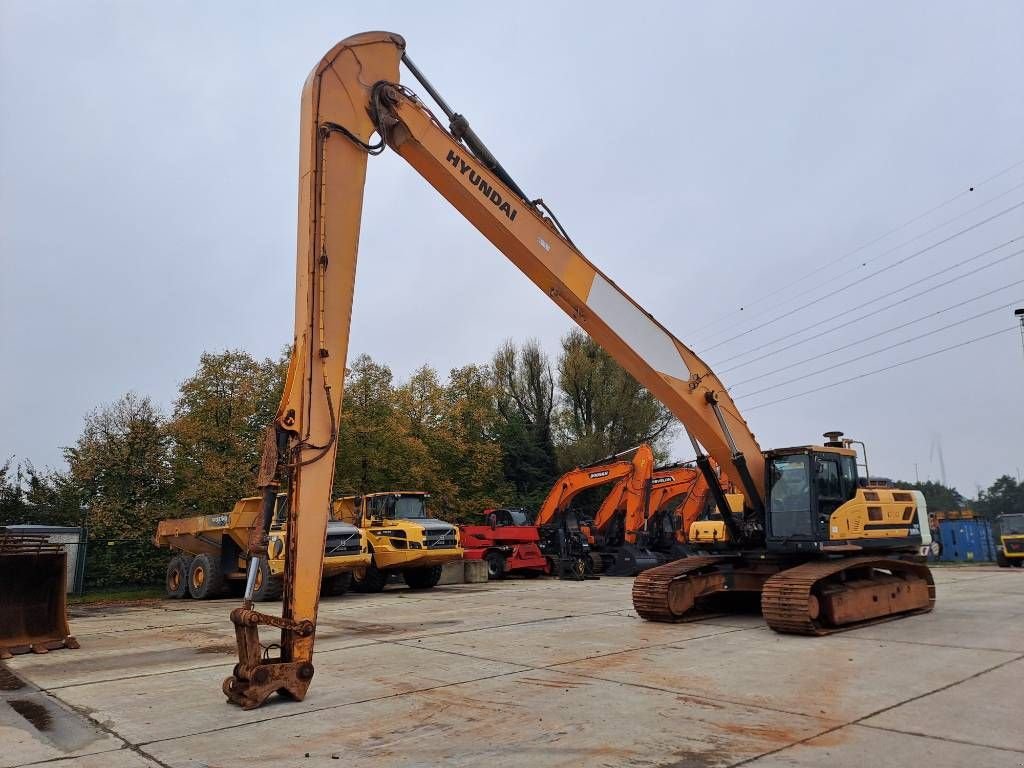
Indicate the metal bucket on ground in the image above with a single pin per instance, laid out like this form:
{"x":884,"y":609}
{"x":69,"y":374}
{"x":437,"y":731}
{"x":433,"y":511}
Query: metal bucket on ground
{"x":33,"y":595}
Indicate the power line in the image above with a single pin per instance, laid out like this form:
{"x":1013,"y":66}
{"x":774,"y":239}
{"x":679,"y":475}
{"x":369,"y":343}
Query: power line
{"x":895,"y":264}
{"x":889,"y":306}
{"x":860,"y":248}
{"x":895,"y":248}
{"x":1000,"y":308}
{"x":880,"y":370}
{"x":881,"y":333}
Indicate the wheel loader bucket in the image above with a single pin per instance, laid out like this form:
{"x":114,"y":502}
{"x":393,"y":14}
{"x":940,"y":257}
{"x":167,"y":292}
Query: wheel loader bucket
{"x":33,"y":595}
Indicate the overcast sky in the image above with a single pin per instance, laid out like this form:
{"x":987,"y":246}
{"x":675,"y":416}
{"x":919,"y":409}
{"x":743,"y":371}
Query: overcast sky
{"x":707,"y":156}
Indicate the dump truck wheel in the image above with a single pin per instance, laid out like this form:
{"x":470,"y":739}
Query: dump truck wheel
{"x":422,"y":578}
{"x":176,"y":584}
{"x":495,"y":565}
{"x":205,"y":578}
{"x":1001,"y":560}
{"x":370,"y":579}
{"x":337,"y":585}
{"x":267,"y":587}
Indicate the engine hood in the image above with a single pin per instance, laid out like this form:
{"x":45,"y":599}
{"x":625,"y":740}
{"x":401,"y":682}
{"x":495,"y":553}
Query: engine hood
{"x":337,"y":528}
{"x":430,"y":524}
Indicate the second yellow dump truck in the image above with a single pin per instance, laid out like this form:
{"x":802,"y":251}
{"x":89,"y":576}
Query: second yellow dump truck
{"x":209,"y":552}
{"x":401,"y":537}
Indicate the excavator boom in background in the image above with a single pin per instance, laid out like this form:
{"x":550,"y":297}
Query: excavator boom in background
{"x":807,"y":535}
{"x":565,"y":539}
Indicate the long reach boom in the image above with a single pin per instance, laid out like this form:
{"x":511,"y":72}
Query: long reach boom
{"x":352,"y":96}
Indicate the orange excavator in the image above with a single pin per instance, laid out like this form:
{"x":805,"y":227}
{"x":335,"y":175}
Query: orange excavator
{"x":679,"y":497}
{"x":565,"y":539}
{"x":638,"y":524}
{"x":646,"y":518}
{"x":823,"y":550}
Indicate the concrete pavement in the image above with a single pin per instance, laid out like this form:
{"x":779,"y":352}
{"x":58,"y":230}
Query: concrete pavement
{"x":538,"y":673}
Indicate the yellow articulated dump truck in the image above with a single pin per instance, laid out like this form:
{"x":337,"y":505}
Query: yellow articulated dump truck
{"x":1010,"y":548}
{"x":401,"y":537}
{"x":210,"y":552}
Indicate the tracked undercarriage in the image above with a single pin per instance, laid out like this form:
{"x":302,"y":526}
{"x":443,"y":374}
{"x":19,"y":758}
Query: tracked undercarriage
{"x":816,"y":597}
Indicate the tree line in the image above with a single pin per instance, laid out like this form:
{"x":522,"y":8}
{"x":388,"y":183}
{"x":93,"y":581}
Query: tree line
{"x":488,"y":434}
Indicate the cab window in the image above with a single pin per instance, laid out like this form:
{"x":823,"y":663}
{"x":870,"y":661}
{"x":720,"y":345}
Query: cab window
{"x":790,"y":491}
{"x":789,"y":496}
{"x":827,"y":479}
{"x":848,"y":468}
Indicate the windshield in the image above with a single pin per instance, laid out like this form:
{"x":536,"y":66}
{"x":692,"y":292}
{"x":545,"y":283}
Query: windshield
{"x":518,"y":517}
{"x":790,"y":491}
{"x":1011,"y":524}
{"x":407,"y":508}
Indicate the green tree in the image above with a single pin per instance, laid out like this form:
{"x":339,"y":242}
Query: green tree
{"x":603,"y":408}
{"x":938,"y":497}
{"x":375,"y":449}
{"x":455,"y":422}
{"x":121,"y":465}
{"x":1005,"y":496}
{"x":13,"y":504}
{"x":218,"y":423}
{"x":524,"y":400}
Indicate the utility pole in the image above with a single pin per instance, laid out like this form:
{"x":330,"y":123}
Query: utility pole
{"x":917,"y":477}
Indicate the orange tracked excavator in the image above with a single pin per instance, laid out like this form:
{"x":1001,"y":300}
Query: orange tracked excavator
{"x":823,"y":551}
{"x":565,"y":540}
{"x":643,"y":520}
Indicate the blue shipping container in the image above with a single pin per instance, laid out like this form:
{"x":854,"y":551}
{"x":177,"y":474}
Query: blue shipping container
{"x":966,"y":541}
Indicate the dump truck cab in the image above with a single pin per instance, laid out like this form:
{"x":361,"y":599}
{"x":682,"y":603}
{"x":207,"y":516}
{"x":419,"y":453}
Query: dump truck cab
{"x":210,"y":552}
{"x":345,"y":547}
{"x":1010,"y":547}
{"x":401,"y":537}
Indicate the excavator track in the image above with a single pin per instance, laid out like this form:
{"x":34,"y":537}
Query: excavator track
{"x":669,"y":592}
{"x":820,"y":598}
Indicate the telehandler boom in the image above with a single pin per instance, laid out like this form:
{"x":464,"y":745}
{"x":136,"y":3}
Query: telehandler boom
{"x":352,"y":94}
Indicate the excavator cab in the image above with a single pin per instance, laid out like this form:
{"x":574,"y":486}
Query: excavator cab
{"x":805,"y":486}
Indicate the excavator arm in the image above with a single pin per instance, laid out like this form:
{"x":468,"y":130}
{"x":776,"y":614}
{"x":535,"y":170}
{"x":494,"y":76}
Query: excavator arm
{"x":352,"y":95}
{"x":630,"y":494}
{"x":574,"y":482}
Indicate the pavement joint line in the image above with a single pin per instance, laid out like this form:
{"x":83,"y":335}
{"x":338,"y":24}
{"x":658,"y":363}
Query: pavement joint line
{"x":930,"y":645}
{"x":705,"y":697}
{"x":859,"y":721}
{"x":798,"y":742}
{"x":329,"y":707}
{"x":47,"y":760}
{"x":127,"y":744}
{"x":941,"y":688}
{"x":550,"y":667}
{"x":318,"y":653}
{"x":186,"y":669}
{"x":100,"y":726}
{"x":87,"y":633}
{"x":326,"y":651}
{"x":941,"y":738}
